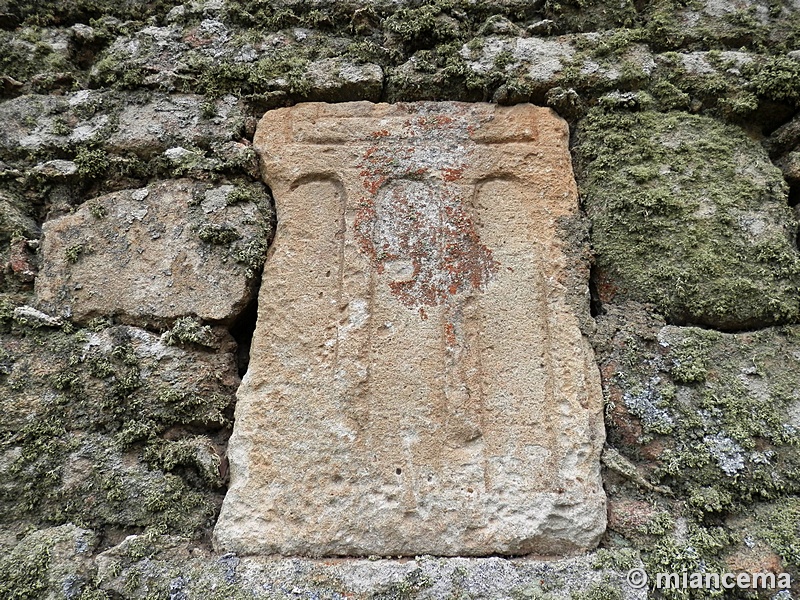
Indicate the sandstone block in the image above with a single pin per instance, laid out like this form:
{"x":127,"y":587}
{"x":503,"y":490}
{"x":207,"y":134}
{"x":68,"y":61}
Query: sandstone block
{"x":418,"y":382}
{"x":153,"y":254}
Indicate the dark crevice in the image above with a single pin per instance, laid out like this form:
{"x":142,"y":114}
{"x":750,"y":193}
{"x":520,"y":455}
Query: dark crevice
{"x":244,"y":325}
{"x":242,"y":331}
{"x":744,"y":328}
{"x":595,"y":305}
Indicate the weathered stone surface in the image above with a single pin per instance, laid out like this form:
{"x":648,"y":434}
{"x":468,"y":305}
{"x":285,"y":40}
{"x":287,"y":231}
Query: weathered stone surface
{"x":39,"y":123}
{"x":690,"y":215}
{"x":111,"y":428}
{"x":174,"y":566}
{"x":338,"y":79}
{"x":151,"y":255}
{"x":58,"y":563}
{"x":716,"y":412}
{"x":711,"y":420}
{"x":176,"y":120}
{"x":418,"y":383}
{"x":542,"y":59}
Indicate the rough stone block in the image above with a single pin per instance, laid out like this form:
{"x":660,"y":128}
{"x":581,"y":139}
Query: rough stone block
{"x":154,"y":254}
{"x":690,"y":215}
{"x":418,"y":381}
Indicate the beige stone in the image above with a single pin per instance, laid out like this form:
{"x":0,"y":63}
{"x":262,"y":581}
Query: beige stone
{"x":418,"y":381}
{"x":153,"y":254}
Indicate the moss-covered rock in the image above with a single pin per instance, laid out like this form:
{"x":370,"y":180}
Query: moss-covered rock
{"x":48,"y":564}
{"x":710,"y":421}
{"x":111,"y":428}
{"x":690,"y":215}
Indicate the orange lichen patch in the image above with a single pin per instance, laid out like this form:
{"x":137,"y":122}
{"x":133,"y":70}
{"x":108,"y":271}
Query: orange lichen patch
{"x":450,"y":334}
{"x":452,"y":174}
{"x":755,"y":560}
{"x":414,"y":210}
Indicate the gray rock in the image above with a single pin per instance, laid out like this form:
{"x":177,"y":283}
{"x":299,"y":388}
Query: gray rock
{"x":152,"y":255}
{"x":38,"y":123}
{"x":340,"y":80}
{"x":541,"y":58}
{"x":177,"y":120}
{"x":171,"y":561}
{"x":57,"y":169}
{"x":28,"y":314}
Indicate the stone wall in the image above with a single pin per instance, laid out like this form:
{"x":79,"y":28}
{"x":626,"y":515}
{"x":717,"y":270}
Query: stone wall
{"x":126,"y":163}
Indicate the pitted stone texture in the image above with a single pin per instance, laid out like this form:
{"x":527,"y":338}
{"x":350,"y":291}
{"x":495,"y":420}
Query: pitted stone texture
{"x":153,"y":254}
{"x":418,"y":383}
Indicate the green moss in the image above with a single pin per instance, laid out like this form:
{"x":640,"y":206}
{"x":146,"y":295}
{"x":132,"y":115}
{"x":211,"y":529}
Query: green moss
{"x":253,"y":255}
{"x":116,"y":71}
{"x":699,"y":550}
{"x":367,"y":51}
{"x":776,"y":79}
{"x":98,"y":402}
{"x":220,"y":235}
{"x":590,"y":15}
{"x":285,"y":70}
{"x":739,"y":105}
{"x":184,"y":453}
{"x":253,"y":192}
{"x":44,"y":13}
{"x":208,"y":109}
{"x":97,"y":210}
{"x":75,"y":251}
{"x":23,"y":571}
{"x":93,"y":594}
{"x":727,"y":398}
{"x":93,"y":163}
{"x":177,"y":507}
{"x":689,"y":358}
{"x":189,"y":330}
{"x":667,"y":195}
{"x":623,"y":559}
{"x":599,"y":591}
{"x":60,"y":126}
{"x":780,"y":527}
{"x":423,"y":25}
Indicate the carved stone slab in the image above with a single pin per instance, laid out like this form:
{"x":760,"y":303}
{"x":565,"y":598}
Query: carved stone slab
{"x":418,"y":381}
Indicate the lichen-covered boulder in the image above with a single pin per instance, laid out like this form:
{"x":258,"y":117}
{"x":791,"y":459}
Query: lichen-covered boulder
{"x":152,"y":255}
{"x":688,"y":214}
{"x":114,"y":427}
{"x":49,"y":564}
{"x":713,"y":422}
